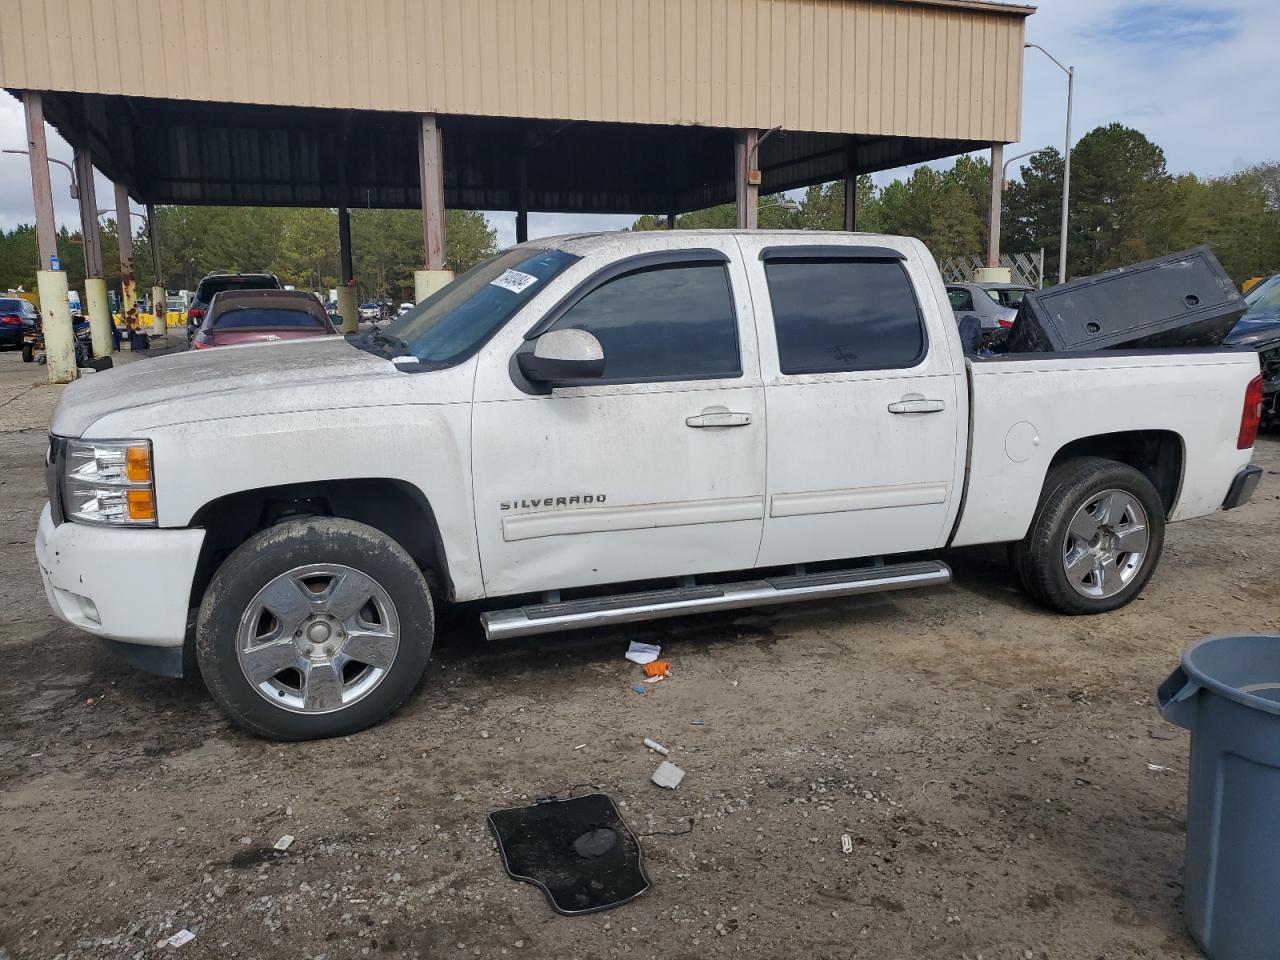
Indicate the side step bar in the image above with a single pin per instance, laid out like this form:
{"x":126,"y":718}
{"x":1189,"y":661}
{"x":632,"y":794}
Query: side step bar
{"x":679,"y":602}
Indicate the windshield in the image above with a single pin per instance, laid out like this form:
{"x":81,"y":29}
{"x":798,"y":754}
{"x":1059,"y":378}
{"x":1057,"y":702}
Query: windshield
{"x":456,"y":320}
{"x":1265,"y":297}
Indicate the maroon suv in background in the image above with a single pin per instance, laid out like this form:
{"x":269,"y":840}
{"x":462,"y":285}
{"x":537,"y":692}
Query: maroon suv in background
{"x":259,"y":316}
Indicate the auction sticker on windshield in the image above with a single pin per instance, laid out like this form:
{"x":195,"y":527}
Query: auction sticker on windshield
{"x":514,"y":280}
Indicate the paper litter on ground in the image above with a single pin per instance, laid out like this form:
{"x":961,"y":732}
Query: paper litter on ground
{"x":181,"y":937}
{"x":643,"y":653}
{"x":667,"y":775}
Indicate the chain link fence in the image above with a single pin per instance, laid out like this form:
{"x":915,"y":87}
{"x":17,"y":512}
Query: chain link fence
{"x":1026,"y":268}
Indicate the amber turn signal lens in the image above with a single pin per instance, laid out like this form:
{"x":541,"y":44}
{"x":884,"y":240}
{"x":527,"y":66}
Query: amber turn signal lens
{"x":142,"y":505}
{"x":137,"y":465}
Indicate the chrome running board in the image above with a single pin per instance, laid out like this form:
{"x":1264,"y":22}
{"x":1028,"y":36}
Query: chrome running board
{"x":682,"y":601}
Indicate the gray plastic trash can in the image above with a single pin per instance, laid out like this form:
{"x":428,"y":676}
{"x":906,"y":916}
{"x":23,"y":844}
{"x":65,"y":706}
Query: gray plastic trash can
{"x":1227,"y":693}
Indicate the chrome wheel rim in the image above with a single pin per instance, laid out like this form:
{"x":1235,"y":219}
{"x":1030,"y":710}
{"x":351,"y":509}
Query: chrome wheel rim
{"x":1106,"y":544}
{"x":318,"y":638}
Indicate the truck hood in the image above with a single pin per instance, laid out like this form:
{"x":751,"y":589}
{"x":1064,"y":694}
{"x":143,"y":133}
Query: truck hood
{"x":323,"y":373}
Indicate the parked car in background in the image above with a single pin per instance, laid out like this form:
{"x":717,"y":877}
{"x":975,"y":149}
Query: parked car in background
{"x":980,"y":301}
{"x":1259,"y":329}
{"x":1006,"y":294}
{"x":404,"y":308}
{"x":18,"y":317}
{"x":370,"y":311}
{"x":215,"y":283}
{"x":261,"y":316}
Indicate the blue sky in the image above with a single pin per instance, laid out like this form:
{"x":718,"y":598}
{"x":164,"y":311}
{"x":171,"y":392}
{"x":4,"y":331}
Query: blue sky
{"x":1199,"y":77}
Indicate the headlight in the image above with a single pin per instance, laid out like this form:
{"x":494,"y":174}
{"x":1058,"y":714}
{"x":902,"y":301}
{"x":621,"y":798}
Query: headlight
{"x":109,"y":481}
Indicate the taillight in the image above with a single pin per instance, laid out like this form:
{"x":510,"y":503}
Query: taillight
{"x":1005,"y":323}
{"x":195,"y":313}
{"x":10,"y":320}
{"x":1251,"y":416}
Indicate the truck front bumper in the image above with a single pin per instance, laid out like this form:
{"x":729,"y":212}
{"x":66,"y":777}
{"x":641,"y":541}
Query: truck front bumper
{"x":1242,"y":487}
{"x":128,"y":586}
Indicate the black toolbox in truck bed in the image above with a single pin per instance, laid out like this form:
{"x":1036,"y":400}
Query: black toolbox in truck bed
{"x":1180,"y":300}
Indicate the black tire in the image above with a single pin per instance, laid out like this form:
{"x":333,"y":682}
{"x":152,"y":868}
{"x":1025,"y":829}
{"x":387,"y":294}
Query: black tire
{"x":1038,"y":559}
{"x":287,"y":547}
{"x":28,"y":353}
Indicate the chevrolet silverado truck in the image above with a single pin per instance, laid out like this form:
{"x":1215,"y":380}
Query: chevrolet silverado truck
{"x":590,"y":430}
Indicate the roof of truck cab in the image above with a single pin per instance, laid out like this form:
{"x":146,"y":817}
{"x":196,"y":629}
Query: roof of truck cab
{"x":622,"y":241}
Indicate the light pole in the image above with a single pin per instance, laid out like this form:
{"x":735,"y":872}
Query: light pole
{"x":75,"y":187}
{"x":1066,"y":168}
{"x":784,"y":203}
{"x":1004,"y":171}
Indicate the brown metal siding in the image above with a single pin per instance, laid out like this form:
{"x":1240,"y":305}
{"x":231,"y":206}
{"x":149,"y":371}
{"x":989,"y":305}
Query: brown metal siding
{"x":883,"y":67}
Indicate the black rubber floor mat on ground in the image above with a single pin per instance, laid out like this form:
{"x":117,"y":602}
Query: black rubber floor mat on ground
{"x":578,"y":851}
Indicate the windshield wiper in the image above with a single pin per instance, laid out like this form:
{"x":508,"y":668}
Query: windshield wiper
{"x":387,"y":343}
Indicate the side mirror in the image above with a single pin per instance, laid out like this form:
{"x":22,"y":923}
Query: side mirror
{"x":563,"y":355}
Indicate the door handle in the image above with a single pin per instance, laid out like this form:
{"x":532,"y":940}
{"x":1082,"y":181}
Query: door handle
{"x":914,"y":403}
{"x":718,"y":417}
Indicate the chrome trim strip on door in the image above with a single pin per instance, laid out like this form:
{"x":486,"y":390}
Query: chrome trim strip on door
{"x":645,"y":516}
{"x":857,"y":498}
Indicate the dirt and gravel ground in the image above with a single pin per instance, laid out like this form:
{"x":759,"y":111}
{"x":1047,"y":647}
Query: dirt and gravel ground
{"x":988,"y":759}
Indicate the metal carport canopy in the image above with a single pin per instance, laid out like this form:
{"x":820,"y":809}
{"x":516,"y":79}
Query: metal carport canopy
{"x":615,"y":105}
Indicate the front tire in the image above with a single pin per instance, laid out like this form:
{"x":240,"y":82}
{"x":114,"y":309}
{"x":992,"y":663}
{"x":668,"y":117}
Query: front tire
{"x":1095,"y":539}
{"x":314,"y":628}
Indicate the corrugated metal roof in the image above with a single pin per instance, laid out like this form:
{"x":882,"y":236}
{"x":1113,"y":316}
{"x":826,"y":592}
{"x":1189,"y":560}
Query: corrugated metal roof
{"x":938,"y":69}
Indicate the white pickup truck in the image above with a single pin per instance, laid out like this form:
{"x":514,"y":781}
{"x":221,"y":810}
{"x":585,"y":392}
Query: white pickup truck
{"x":596,"y":429}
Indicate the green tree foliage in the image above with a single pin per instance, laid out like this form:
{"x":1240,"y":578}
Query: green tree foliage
{"x":298,"y":245}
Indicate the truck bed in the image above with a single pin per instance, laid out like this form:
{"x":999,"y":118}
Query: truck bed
{"x":1025,"y":408}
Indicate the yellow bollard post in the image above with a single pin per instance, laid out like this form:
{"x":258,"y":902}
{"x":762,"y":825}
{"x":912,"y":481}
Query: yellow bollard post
{"x":427,"y":282}
{"x":159,"y":310}
{"x":55,"y":318}
{"x":95,"y":304}
{"x":347,"y":309}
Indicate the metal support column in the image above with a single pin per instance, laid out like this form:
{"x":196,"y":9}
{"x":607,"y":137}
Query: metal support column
{"x":41,"y":188}
{"x":850,"y":194}
{"x":997,"y":188}
{"x":124,"y":232}
{"x":59,"y":344}
{"x":993,"y":272}
{"x":347,"y":309}
{"x":95,"y":288}
{"x":431,"y":176}
{"x":522,"y":195}
{"x":746,"y":180}
{"x":159,"y":301}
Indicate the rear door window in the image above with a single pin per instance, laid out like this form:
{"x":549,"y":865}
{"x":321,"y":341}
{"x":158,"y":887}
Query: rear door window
{"x":837,"y":315}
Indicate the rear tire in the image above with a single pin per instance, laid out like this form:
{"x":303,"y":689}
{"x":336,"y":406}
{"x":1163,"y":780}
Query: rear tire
{"x":28,"y":353}
{"x":1095,"y":539}
{"x":314,"y":628}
